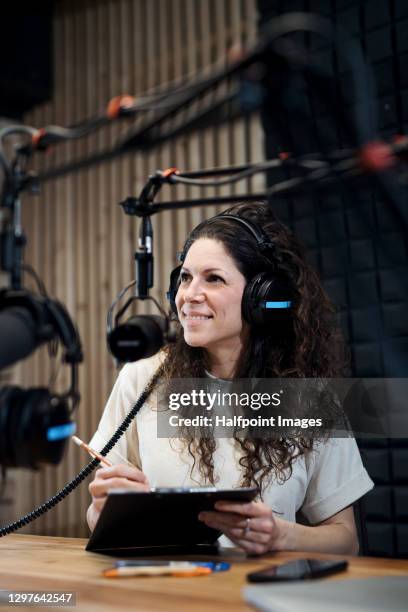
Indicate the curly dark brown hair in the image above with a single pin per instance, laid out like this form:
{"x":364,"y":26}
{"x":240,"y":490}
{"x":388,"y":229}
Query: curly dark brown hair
{"x":315,"y":349}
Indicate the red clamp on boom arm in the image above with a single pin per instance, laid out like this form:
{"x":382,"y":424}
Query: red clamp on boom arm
{"x":376,"y":156}
{"x":37,"y":139}
{"x":168,"y":173}
{"x":118,"y":105}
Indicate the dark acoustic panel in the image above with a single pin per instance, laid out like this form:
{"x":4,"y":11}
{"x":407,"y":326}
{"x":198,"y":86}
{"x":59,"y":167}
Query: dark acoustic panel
{"x":352,"y":236}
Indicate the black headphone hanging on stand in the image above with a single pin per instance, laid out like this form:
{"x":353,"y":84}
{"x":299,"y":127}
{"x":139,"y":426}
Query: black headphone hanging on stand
{"x":268,"y":298}
{"x":36,"y":423}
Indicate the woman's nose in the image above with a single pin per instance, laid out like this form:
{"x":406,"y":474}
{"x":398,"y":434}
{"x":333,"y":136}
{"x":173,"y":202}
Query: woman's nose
{"x":194,"y":292}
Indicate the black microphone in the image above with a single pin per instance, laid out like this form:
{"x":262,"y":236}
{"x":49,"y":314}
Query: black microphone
{"x":19,"y":335}
{"x":144,"y":258}
{"x":139,"y":337}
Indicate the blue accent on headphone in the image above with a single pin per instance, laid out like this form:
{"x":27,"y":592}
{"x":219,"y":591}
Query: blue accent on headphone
{"x":59,"y":432}
{"x":278,"y":304}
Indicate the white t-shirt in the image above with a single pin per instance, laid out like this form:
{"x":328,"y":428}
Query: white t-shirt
{"x":323,"y":481}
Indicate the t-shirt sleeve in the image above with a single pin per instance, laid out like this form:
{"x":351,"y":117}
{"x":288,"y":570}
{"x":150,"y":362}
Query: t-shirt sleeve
{"x":121,"y":400}
{"x":337,"y":478}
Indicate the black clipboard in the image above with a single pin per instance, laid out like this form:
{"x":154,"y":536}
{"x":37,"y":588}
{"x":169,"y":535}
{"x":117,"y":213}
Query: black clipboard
{"x":162,"y":521}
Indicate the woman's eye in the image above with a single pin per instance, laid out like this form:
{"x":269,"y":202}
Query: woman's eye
{"x":213,"y":278}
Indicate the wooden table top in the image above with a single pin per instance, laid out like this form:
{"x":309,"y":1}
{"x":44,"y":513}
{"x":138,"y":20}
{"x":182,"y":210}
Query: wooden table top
{"x":43,"y":563}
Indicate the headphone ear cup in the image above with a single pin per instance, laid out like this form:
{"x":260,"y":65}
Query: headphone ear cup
{"x":11,"y":399}
{"x":268,"y":302}
{"x":249,"y":301}
{"x":173,"y":288}
{"x":23,"y":428}
{"x":26,"y":418}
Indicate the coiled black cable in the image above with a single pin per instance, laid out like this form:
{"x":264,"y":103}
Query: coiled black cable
{"x":75,"y":482}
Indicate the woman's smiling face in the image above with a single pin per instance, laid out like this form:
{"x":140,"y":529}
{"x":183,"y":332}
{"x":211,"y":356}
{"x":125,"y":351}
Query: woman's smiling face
{"x":209,"y":298}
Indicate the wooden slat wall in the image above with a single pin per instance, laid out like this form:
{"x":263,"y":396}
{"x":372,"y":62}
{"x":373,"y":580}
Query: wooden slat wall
{"x":80,"y":242}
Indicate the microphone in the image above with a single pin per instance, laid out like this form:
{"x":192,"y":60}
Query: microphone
{"x":139,"y":337}
{"x":144,"y":258}
{"x":28,"y":320}
{"x":20,"y":335}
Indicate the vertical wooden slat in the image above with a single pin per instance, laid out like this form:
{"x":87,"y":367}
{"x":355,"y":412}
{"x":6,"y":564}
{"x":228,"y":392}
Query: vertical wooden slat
{"x":152,"y":79}
{"x":82,"y":225}
{"x":67,"y":224}
{"x":166,"y":222}
{"x":223,"y":150}
{"x":57,"y":281}
{"x":92,"y":103}
{"x":37,"y":482}
{"x":141,"y":83}
{"x":207,"y":39}
{"x":105,"y":209}
{"x":180,"y":66}
{"x":193,"y":142}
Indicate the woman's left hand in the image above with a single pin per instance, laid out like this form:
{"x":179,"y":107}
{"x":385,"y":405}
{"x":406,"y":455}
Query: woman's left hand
{"x":252,"y":526}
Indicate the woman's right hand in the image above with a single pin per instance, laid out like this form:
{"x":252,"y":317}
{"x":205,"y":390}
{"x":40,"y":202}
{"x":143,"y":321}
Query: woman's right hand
{"x":119,"y":476}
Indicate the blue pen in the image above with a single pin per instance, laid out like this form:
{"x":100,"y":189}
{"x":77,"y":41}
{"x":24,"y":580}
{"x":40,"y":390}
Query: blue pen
{"x":215,"y":566}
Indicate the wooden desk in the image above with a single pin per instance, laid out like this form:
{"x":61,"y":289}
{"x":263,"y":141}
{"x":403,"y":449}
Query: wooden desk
{"x":61,"y":564}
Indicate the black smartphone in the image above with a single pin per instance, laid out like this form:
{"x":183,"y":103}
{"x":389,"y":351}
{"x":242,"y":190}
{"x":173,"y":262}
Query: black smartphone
{"x":301,"y":569}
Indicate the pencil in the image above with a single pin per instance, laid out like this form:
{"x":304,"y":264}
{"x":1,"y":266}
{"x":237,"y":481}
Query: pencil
{"x":91,"y":451}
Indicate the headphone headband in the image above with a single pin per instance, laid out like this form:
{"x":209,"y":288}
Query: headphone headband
{"x":265,"y":244}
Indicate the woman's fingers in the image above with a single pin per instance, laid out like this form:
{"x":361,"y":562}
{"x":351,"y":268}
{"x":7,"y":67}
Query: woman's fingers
{"x":229,"y":519}
{"x":254,"y":544}
{"x":240,"y":525}
{"x":123,"y":471}
{"x":223,"y":522}
{"x":98,"y":503}
{"x":101,"y":487}
{"x":117,"y":477}
{"x":250,"y":525}
{"x":245,"y":509}
{"x":253,"y":548}
{"x":253,"y":536}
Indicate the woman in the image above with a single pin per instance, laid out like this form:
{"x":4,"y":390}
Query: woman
{"x":219,"y":337}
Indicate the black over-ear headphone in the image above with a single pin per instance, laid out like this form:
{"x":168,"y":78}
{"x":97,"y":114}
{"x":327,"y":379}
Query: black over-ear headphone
{"x":268,"y":298}
{"x":36,"y":423}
